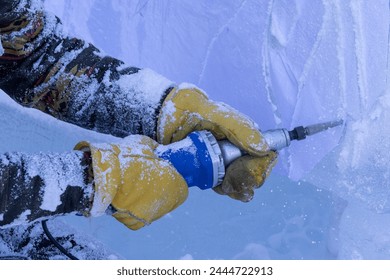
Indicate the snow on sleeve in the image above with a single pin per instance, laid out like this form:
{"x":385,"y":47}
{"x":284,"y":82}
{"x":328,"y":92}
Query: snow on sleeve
{"x":142,"y":93}
{"x":57,"y":172}
{"x":22,"y":219}
{"x":1,"y":47}
{"x":151,"y":84}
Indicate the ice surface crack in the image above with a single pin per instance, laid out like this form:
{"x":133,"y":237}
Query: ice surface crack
{"x":210,"y":47}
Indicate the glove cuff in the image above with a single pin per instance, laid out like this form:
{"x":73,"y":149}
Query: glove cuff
{"x":106,"y":170}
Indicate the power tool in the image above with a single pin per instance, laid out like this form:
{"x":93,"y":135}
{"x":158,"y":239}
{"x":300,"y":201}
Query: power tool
{"x":202,"y":160}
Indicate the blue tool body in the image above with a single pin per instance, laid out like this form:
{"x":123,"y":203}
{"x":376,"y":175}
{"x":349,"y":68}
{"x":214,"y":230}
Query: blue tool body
{"x":192,"y":160}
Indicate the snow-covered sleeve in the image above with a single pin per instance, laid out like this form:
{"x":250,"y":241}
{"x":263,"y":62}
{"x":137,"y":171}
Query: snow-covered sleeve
{"x":38,"y":186}
{"x":70,"y":79}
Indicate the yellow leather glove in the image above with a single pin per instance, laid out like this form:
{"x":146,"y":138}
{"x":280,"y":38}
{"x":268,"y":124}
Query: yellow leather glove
{"x":188,"y":109}
{"x":130,"y":177}
{"x":245,"y":175}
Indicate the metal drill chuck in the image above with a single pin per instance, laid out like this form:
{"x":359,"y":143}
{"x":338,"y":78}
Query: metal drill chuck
{"x":216,"y":156}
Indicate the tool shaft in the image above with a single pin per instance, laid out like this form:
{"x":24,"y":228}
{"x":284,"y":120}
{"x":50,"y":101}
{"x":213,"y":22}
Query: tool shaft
{"x":316,"y":128}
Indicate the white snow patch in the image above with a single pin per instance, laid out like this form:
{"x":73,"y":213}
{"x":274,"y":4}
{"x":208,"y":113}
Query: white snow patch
{"x":151,"y":84}
{"x":22,"y":218}
{"x":185,"y":145}
{"x":58,"y":171}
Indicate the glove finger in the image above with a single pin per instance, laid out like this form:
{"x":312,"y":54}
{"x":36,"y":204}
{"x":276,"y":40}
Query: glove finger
{"x":130,"y":221}
{"x":246,"y":174}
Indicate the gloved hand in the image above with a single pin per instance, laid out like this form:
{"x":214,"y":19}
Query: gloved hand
{"x":130,"y":177}
{"x":188,"y":109}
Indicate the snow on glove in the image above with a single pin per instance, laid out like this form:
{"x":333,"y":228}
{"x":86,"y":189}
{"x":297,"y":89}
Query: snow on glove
{"x":131,"y":178}
{"x":188,"y":109}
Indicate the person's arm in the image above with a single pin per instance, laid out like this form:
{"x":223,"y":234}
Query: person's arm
{"x":7,"y":11}
{"x":125,"y":179}
{"x":35,"y":186}
{"x":70,"y":79}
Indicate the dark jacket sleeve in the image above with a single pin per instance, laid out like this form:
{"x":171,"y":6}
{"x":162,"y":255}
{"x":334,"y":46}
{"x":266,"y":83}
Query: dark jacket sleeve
{"x":42,"y":185}
{"x":70,"y":79}
{"x":7,"y":8}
